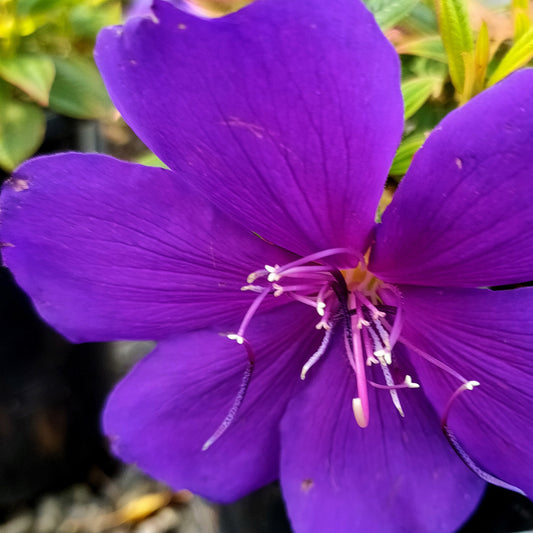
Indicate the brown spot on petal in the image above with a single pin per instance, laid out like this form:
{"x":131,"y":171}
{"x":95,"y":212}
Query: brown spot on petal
{"x":182,"y":26}
{"x":19,"y":184}
{"x":307,"y":485}
{"x":459,"y":163}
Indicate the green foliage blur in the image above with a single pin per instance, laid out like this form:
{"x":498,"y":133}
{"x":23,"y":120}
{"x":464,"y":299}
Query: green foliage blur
{"x":46,"y":65}
{"x":450,"y":51}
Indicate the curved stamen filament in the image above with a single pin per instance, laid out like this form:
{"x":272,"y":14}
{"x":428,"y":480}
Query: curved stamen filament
{"x":245,"y":382}
{"x":461,"y":452}
{"x":239,"y":336}
{"x":315,"y":257}
{"x":407,"y":384}
{"x":432,"y":360}
{"x":319,"y":353}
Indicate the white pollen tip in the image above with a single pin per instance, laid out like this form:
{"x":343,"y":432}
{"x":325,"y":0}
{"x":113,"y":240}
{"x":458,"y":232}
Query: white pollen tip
{"x":360,"y":418}
{"x":234,"y":337}
{"x":254,"y":288}
{"x":471,"y":384}
{"x":410,"y":383}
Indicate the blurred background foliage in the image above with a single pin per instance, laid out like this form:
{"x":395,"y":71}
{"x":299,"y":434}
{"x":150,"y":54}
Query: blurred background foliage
{"x":46,"y":66}
{"x":450,"y":50}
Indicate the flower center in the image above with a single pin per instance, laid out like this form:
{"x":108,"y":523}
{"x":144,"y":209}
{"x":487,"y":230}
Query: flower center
{"x":364,"y":307}
{"x":352,"y":302}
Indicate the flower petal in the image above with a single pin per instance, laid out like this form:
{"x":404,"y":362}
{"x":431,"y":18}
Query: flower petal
{"x":164,"y":411}
{"x":462,"y":215}
{"x":111,"y":250}
{"x":286,"y":114}
{"x":485,"y":336}
{"x":398,"y":474}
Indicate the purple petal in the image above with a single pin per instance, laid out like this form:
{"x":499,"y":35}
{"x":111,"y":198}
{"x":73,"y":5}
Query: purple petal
{"x":398,"y":474}
{"x":112,"y":250}
{"x":286,"y":114}
{"x":462,"y":216}
{"x":164,"y":411}
{"x":487,"y":337}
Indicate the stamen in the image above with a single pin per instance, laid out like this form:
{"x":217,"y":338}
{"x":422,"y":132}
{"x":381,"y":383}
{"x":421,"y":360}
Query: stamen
{"x":235,"y":337}
{"x":460,"y":451}
{"x":469,"y":385}
{"x":392,"y":389}
{"x":433,"y":361}
{"x":362,"y":413}
{"x":248,"y":316}
{"x":245,"y":382}
{"x":407,"y":384}
{"x":316,"y":256}
{"x":319,"y":353}
{"x":253,"y":288}
{"x":226,"y":423}
{"x":410,"y":383}
{"x":255,"y":275}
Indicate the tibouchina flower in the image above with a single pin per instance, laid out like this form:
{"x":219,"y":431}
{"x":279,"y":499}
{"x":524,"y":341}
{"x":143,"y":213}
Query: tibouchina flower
{"x":298,"y":341}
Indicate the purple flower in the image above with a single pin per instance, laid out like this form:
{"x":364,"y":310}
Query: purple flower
{"x":279,"y":124}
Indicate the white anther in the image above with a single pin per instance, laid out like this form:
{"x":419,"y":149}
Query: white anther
{"x":320,"y":308}
{"x":362,"y":322}
{"x":278,"y":289}
{"x":273,"y":275}
{"x":358,"y":413}
{"x":323,"y":324}
{"x":410,"y":383}
{"x":254,"y":275}
{"x":371,"y":360}
{"x":253,"y":288}
{"x":235,"y":337}
{"x":471,"y":384}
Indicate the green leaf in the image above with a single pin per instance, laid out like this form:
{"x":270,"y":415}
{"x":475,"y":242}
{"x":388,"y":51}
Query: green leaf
{"x":31,"y":7}
{"x":32,"y":74}
{"x":389,"y":12}
{"x":481,"y":58}
{"x":518,"y":55}
{"x":416,"y":91}
{"x":22,"y":128}
{"x":78,"y":90}
{"x":456,"y":34}
{"x":405,"y":153}
{"x":150,"y":160}
{"x":428,"y":47}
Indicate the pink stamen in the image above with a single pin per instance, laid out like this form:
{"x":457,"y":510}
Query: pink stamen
{"x":360,"y":405}
{"x":315,"y":257}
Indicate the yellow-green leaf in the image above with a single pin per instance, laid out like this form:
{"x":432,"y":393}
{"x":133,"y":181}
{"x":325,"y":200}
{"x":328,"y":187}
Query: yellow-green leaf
{"x":150,"y":160}
{"x":481,"y":58}
{"x":405,"y":153}
{"x":456,"y":34}
{"x":416,"y":91}
{"x":78,"y":90}
{"x":389,"y":12}
{"x":22,"y":128}
{"x":428,"y":47}
{"x":518,"y":55}
{"x":32,"y":74}
{"x":521,"y":24}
